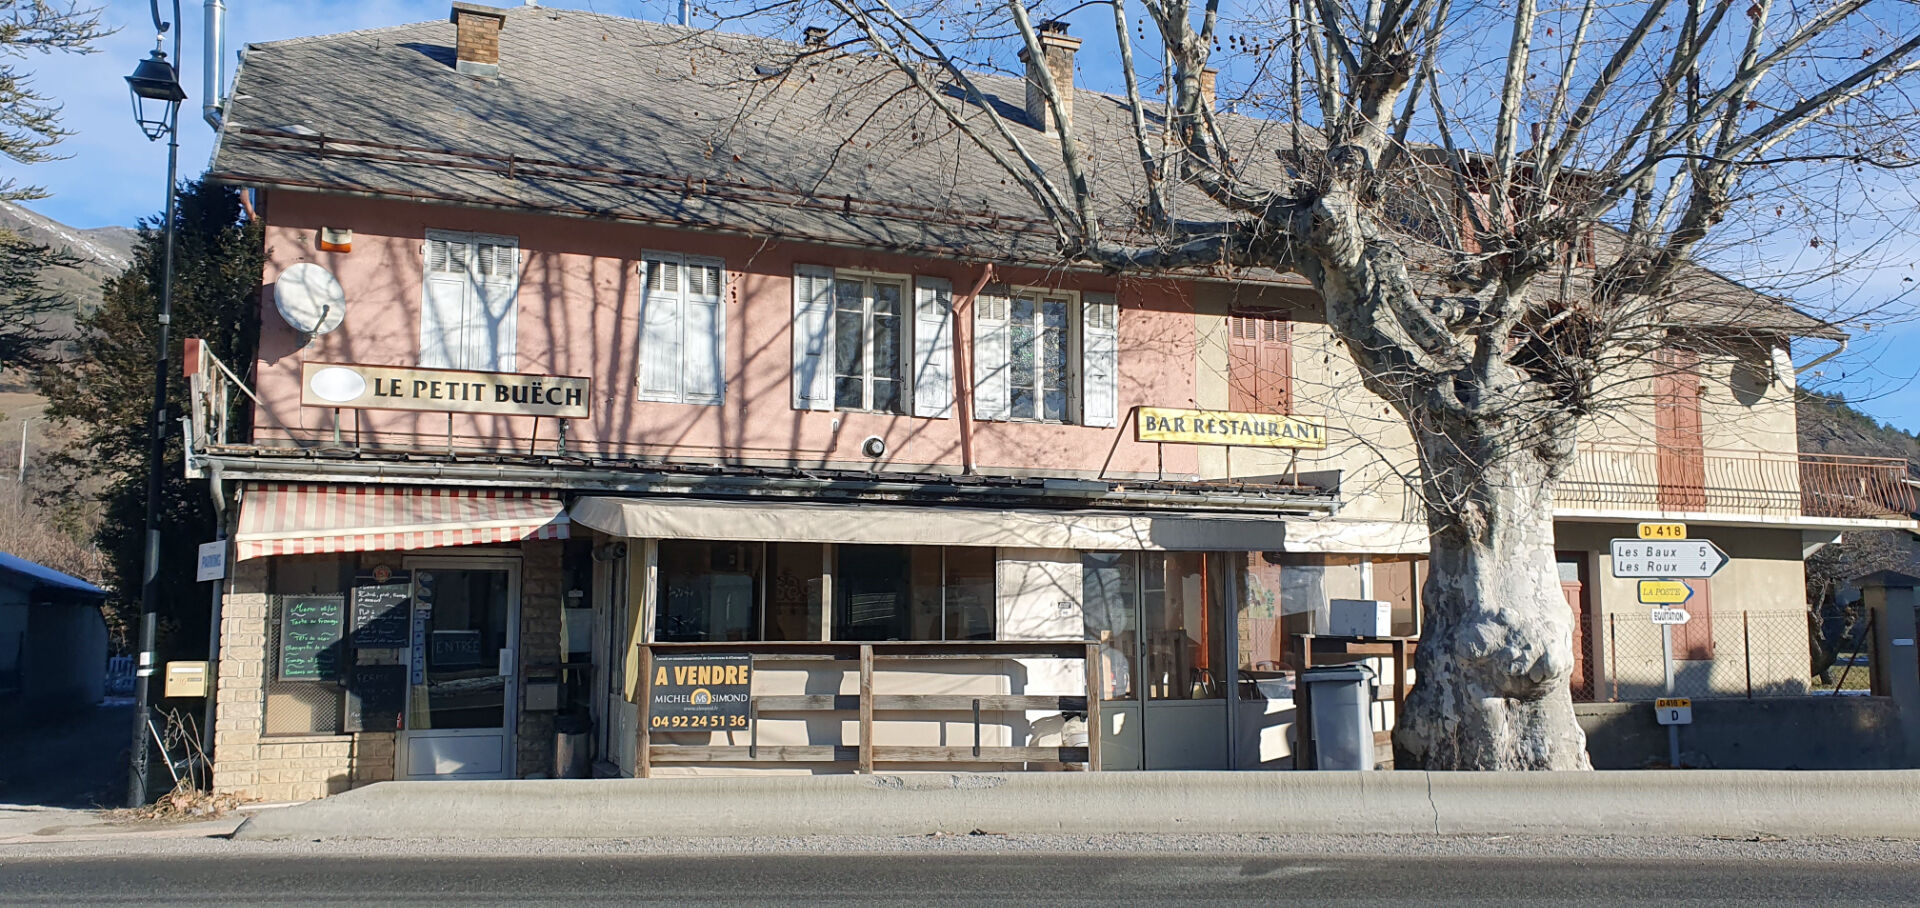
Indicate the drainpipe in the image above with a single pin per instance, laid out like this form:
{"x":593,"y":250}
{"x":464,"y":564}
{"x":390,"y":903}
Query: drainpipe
{"x":1842,"y":348}
{"x":963,"y":363}
{"x":213,"y":619}
{"x":213,"y":69}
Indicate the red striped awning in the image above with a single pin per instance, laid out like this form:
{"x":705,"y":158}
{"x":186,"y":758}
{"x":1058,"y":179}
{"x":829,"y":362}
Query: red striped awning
{"x":292,"y":519}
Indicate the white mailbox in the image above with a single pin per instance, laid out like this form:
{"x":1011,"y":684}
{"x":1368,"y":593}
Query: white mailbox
{"x":1360,"y":618}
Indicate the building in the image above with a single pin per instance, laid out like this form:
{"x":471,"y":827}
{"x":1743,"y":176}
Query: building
{"x":633,"y":360}
{"x":53,"y":642}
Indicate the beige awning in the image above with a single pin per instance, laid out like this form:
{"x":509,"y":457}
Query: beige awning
{"x":857,"y":523}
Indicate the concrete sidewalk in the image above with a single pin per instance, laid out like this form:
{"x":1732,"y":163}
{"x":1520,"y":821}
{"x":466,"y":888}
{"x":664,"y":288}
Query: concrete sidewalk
{"x":1687,"y":803}
{"x":24,"y":824}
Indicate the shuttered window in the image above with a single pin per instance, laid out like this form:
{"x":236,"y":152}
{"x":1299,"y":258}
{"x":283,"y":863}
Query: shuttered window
{"x":1259,"y":363}
{"x":1046,"y":357}
{"x":469,"y":317}
{"x":683,"y":333}
{"x":872,"y":342}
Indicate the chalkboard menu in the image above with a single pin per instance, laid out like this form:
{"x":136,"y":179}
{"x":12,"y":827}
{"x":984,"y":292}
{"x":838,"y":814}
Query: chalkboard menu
{"x":380,"y":611}
{"x":376,"y":695}
{"x":310,"y":637}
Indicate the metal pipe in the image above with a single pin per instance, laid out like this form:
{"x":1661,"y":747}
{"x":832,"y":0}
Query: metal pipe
{"x":213,"y":68}
{"x":629,"y":481}
{"x":156,"y":464}
{"x":1836,"y":351}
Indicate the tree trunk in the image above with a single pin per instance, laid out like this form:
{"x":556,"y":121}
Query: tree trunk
{"x":1496,"y":648}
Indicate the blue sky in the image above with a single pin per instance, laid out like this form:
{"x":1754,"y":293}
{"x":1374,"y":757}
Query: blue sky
{"x":113,"y":175}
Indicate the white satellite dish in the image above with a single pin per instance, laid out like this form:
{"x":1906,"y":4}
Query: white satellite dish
{"x":310,"y":299}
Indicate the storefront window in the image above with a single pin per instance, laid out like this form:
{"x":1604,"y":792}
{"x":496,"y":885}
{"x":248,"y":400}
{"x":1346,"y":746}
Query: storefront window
{"x":1157,"y":617}
{"x":709,"y":591}
{"x":894,"y":592}
{"x":794,"y":605}
{"x":1110,"y":612}
{"x":1280,"y":597}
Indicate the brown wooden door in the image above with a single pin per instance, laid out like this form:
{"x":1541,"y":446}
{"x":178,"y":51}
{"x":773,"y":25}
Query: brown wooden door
{"x":1573,"y":585}
{"x":1682,"y":460}
{"x":1694,"y":639}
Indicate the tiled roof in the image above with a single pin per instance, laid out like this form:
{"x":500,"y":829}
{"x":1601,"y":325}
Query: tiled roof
{"x":617,"y":118}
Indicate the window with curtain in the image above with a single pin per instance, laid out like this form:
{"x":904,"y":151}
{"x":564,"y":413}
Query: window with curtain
{"x":868,"y":333}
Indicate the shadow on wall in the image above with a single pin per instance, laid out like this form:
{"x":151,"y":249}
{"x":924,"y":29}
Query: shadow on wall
{"x":1776,"y":733}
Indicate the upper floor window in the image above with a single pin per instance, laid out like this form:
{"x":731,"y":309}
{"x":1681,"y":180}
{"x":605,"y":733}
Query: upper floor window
{"x":868,"y":334}
{"x":469,"y":318}
{"x":872,"y":342}
{"x":1046,"y":356}
{"x":683,"y":331}
{"x":1259,"y":363}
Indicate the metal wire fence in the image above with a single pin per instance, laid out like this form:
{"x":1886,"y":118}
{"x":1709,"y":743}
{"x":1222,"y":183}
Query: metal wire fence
{"x":1740,"y":654}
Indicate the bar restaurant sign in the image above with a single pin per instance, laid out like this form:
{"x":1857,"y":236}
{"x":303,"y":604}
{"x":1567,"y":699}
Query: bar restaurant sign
{"x":357,"y":387}
{"x":1223,"y":427}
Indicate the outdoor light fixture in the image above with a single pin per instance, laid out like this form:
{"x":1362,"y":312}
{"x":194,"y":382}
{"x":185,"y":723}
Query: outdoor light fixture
{"x":156,"y":107}
{"x":156,"y":95}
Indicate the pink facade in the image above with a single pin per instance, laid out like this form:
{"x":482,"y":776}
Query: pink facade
{"x":578,"y":315}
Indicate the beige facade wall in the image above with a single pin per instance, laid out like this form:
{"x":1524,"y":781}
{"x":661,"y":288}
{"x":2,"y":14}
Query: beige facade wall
{"x":1366,"y":440}
{"x":1759,"y":627}
{"x":247,"y":762}
{"x":1747,"y":426}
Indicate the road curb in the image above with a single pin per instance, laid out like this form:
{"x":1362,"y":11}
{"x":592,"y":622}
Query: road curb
{"x":1699,"y":802}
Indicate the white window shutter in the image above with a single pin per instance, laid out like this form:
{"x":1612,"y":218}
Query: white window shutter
{"x":442,"y":344}
{"x":932,"y":347}
{"x":1099,"y":360}
{"x":812,"y":337}
{"x":661,"y":358}
{"x":494,"y":326}
{"x":703,"y":342}
{"x":991,"y":342}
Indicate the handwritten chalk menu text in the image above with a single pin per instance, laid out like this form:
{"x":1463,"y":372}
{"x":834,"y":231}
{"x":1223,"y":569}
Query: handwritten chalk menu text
{"x":380,"y":611}
{"x":701,"y":691}
{"x":310,"y":636}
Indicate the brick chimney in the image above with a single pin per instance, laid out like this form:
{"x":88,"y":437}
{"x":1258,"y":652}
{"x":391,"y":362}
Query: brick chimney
{"x":1208,"y":77}
{"x":477,"y":46}
{"x":1056,"y":52}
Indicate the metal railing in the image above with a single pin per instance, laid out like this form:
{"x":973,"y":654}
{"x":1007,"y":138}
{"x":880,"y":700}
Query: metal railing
{"x":1629,"y":478}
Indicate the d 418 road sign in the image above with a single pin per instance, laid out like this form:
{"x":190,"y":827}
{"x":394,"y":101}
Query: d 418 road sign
{"x":1665,"y":592}
{"x":1670,"y":616}
{"x":1674,"y":711}
{"x":1661,"y":530}
{"x":1666,"y":559}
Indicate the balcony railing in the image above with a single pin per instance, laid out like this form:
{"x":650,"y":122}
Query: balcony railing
{"x":1767,"y":483}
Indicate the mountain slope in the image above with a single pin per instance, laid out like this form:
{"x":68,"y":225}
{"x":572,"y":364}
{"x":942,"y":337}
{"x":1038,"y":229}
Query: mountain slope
{"x":103,"y":252}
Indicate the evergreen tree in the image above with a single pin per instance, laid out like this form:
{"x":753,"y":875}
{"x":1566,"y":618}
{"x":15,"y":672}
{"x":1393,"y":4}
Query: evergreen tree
{"x":30,"y":121}
{"x":105,"y":392}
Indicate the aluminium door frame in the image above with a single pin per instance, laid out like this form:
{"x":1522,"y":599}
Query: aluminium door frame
{"x":512,"y":563}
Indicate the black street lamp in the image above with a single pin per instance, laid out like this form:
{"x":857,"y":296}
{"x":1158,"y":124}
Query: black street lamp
{"x":157,"y":94}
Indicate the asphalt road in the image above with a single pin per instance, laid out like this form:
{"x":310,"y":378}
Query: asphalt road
{"x":952,"y":879}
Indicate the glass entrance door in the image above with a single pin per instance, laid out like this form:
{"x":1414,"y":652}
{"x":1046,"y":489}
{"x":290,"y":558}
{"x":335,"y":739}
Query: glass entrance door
{"x":460,"y":708}
{"x":1164,"y":657}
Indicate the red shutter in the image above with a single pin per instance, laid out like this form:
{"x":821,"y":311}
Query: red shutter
{"x":1259,"y":364}
{"x":1681,"y":461}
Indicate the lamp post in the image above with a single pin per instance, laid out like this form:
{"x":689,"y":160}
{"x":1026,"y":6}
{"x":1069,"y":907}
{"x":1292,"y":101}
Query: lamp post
{"x":157,"y":94}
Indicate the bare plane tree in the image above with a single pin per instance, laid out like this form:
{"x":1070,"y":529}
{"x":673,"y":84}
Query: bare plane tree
{"x":1498,"y":203}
